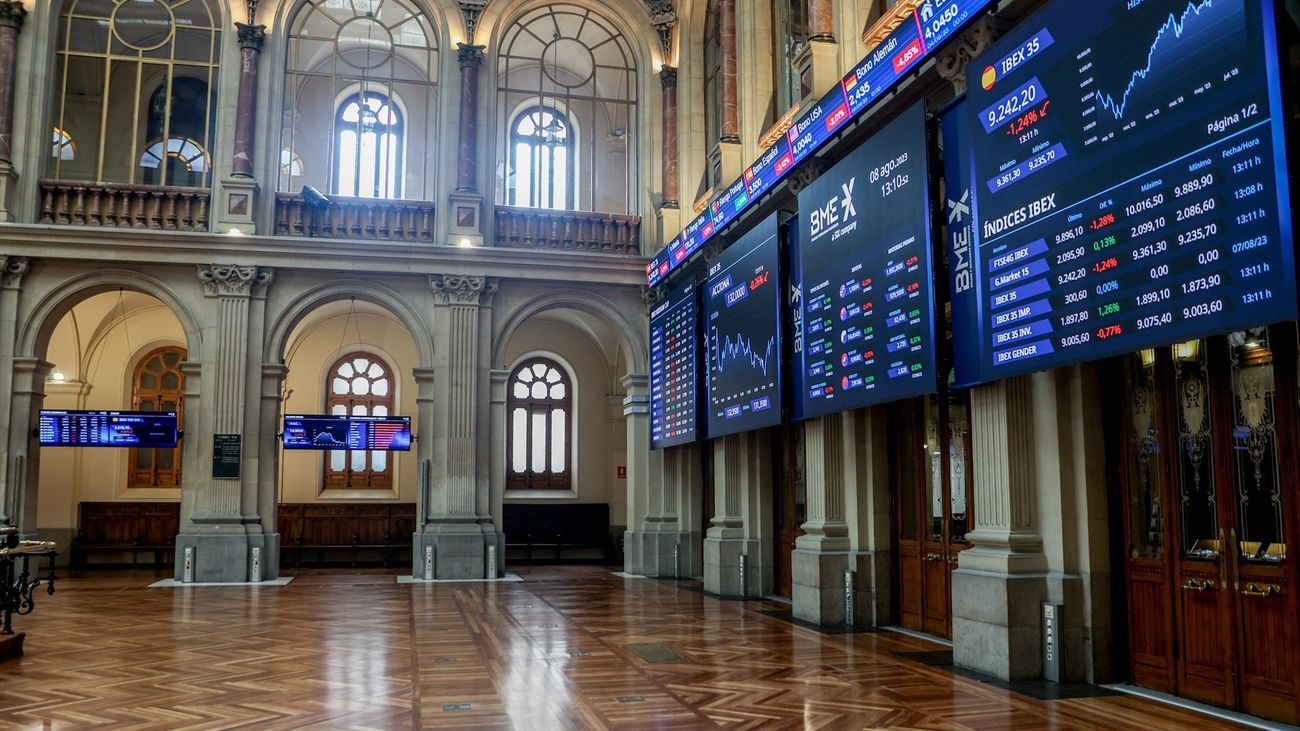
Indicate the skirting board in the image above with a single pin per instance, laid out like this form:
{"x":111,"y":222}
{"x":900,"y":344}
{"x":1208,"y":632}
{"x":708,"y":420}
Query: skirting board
{"x":413,"y":580}
{"x":174,"y":584}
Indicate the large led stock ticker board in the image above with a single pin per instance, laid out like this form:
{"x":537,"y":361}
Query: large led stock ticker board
{"x":864,"y":313}
{"x":329,"y":431}
{"x":1128,"y":182}
{"x":72,"y":428}
{"x":673,"y":353}
{"x":742,"y":306}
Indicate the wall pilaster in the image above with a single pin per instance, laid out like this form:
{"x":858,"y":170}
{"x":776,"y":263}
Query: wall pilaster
{"x":12,"y":269}
{"x":821,"y":555}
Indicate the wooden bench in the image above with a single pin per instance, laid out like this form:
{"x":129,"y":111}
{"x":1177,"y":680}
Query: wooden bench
{"x":329,"y":532}
{"x":124,"y":529}
{"x":557,"y":532}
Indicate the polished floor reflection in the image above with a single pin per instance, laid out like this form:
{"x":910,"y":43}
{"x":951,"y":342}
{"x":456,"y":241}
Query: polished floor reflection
{"x":355,"y":650}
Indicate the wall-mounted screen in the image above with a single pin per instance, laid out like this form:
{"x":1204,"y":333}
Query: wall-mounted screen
{"x":1129,"y":180}
{"x":866,"y":324}
{"x":674,"y":338}
{"x":323,"y":431}
{"x":66,"y":428}
{"x":742,"y":307}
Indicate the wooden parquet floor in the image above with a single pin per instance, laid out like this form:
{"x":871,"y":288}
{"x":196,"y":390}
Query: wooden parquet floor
{"x":355,"y":650}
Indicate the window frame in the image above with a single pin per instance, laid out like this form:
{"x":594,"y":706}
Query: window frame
{"x":368,"y":479}
{"x":548,"y":478}
{"x":396,"y":172}
{"x":540,"y":197}
{"x":173,"y":474}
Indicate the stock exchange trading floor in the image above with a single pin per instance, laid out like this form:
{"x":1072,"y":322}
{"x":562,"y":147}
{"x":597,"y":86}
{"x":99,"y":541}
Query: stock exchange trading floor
{"x":565,"y":648}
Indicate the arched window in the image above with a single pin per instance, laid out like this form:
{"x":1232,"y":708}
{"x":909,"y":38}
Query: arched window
{"x":360,"y":99}
{"x":541,"y":155}
{"x":368,"y":147}
{"x":359,"y":384}
{"x":538,"y":439}
{"x":566,"y":90}
{"x":158,"y":385}
{"x":133,"y":76}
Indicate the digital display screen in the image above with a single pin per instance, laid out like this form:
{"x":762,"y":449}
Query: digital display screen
{"x":673,"y":360}
{"x":742,"y":306}
{"x":914,"y":40}
{"x":1128,"y":179}
{"x":866,"y":324}
{"x":107,"y":428}
{"x":323,"y":431}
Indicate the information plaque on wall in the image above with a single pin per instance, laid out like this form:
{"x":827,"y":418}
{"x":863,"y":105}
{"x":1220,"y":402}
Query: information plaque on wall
{"x":226,"y":453}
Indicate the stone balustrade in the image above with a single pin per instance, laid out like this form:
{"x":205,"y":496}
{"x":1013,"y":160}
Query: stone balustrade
{"x":72,"y":203}
{"x":372,"y":219}
{"x":541,"y":228}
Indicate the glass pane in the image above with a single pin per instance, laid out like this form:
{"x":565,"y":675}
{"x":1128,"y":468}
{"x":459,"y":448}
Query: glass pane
{"x":144,"y":459}
{"x":360,"y":386}
{"x":338,"y":460}
{"x":539,"y":369}
{"x":375,"y":371}
{"x":539,"y":390}
{"x":552,"y":376}
{"x":171,"y":359}
{"x":361,"y":364}
{"x":1196,"y":488}
{"x":958,"y":465}
{"x":165,"y":458}
{"x":171,"y":382}
{"x":346,"y":371}
{"x":340,"y":387}
{"x":909,"y":482}
{"x":381,"y":410}
{"x":380,"y":387}
{"x":358,"y":461}
{"x":1146,"y":514}
{"x":155,"y":364}
{"x":526,"y":375}
{"x":379,"y":461}
{"x":933,"y":447}
{"x":360,"y":410}
{"x":557,"y":391}
{"x":559,"y":441}
{"x":1254,"y":447}
{"x":519,"y":440}
{"x":521,"y":390}
{"x":538,"y":437}
{"x":339,"y":409}
{"x":148,"y":405}
{"x":148,"y":382}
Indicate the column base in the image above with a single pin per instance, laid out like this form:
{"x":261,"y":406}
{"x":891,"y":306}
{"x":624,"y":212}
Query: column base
{"x":875,"y":586}
{"x":996,"y":627}
{"x":722,"y":567}
{"x":236,"y":208}
{"x":457,"y":554}
{"x":818,"y":586}
{"x":466,"y":222}
{"x":655,"y":554}
{"x":226,"y":556}
{"x":8,"y":192}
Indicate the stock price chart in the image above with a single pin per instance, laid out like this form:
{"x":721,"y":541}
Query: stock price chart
{"x":1129,"y":180}
{"x":864,"y":313}
{"x":742,"y":333}
{"x":673,"y":351}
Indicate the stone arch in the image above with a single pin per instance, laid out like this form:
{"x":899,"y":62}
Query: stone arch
{"x":590,"y":303}
{"x":300,"y":307}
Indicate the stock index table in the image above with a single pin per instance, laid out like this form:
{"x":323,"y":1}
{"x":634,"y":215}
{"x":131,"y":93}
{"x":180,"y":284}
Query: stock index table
{"x":1129,"y":180}
{"x":673,"y":362}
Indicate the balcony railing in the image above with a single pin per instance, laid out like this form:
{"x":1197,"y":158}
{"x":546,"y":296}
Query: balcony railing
{"x":541,"y":228}
{"x":374,"y":219}
{"x":71,"y":203}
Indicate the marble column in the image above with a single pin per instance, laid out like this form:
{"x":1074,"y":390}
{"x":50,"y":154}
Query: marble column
{"x":821,"y":20}
{"x":668,"y":80}
{"x":730,"y":120}
{"x":456,"y":524}
{"x":219,"y":520}
{"x":11,"y":21}
{"x":1001,"y":580}
{"x":471,"y":58}
{"x":250,"y":49}
{"x":821,"y":555}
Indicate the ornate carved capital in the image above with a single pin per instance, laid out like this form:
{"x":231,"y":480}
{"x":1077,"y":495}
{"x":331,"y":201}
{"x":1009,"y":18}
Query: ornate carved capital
{"x":668,"y":77}
{"x":713,"y":248}
{"x":457,"y":289}
{"x":470,"y":10}
{"x":12,"y":14}
{"x":952,"y":61}
{"x":12,"y":269}
{"x":663,"y":17}
{"x":233,"y":280}
{"x":805,"y":174}
{"x":251,"y":36}
{"x":469,"y":55}
{"x":652,"y":296}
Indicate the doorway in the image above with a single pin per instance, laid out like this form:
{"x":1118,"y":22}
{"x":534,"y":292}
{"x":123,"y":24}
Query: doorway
{"x":1208,"y":448}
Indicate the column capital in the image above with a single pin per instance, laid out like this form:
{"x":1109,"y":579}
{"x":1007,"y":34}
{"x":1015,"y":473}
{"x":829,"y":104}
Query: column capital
{"x":470,"y":11}
{"x":457,"y":289}
{"x":231,"y":280}
{"x":12,"y":14}
{"x":469,"y":55}
{"x":250,"y":36}
{"x":663,"y":16}
{"x":668,"y":77}
{"x":804,"y":175}
{"x":12,"y":269}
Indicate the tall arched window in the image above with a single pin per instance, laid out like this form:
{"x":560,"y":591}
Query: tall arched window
{"x":157,"y":385}
{"x":359,"y":384}
{"x":541,"y":425}
{"x":566,"y":90}
{"x":360,"y":101}
{"x":368,"y":147}
{"x":541,"y":153}
{"x":133,"y":79}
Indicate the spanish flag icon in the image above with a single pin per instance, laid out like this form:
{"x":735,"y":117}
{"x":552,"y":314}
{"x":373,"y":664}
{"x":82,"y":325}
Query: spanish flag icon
{"x":989,"y":78}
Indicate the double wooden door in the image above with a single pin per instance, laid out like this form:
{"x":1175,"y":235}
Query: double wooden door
{"x":1209,"y":477}
{"x":933,"y":501}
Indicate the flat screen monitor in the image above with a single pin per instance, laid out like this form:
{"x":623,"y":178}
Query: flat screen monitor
{"x":69,"y":428}
{"x":864,"y":311}
{"x":674,"y":346}
{"x":1129,"y":176}
{"x":742,"y":308}
{"x":325,"y":431}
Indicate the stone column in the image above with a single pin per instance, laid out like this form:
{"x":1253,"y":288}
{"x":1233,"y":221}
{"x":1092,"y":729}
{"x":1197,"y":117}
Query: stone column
{"x":821,"y":20}
{"x":250,"y":48}
{"x":726,"y":540}
{"x":268,"y":472}
{"x":12,"y":14}
{"x":644,"y":474}
{"x":26,"y":397}
{"x":455,"y":526}
{"x":12,"y":269}
{"x":730,"y":118}
{"x":470,"y":57}
{"x":499,"y":378}
{"x":1001,"y":580}
{"x":219,"y":522}
{"x":668,"y":79}
{"x":821,"y":555}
